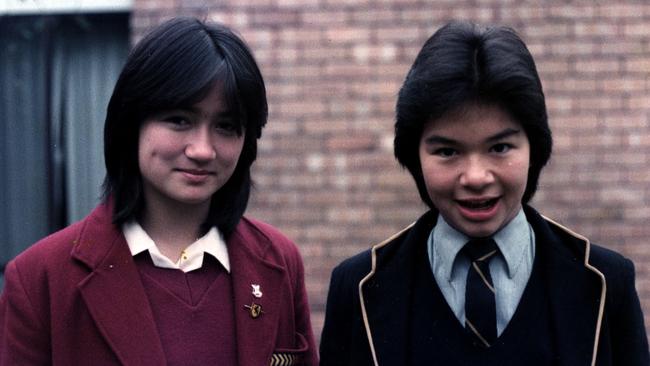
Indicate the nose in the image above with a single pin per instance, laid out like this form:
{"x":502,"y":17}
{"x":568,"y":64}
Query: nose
{"x":200,"y":146}
{"x":476,"y":174}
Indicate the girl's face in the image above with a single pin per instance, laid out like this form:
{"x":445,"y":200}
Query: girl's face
{"x":475,"y":164}
{"x":186,"y":155}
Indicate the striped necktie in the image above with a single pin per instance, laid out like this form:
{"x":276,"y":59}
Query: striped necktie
{"x":480,"y":308}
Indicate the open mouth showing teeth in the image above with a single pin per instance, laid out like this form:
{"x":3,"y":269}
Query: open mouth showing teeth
{"x":479,"y":205}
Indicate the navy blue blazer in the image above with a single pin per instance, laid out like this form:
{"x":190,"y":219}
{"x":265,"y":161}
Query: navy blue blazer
{"x":597,"y":316}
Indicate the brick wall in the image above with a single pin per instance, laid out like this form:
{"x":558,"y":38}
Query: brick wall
{"x":326,"y":175}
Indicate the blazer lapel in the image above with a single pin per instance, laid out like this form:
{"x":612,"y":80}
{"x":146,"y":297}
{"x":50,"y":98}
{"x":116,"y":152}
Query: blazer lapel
{"x":574,"y":291}
{"x":387,"y":297}
{"x":258,"y":290}
{"x":387,"y":294}
{"x":574,"y":302}
{"x":114,"y":293}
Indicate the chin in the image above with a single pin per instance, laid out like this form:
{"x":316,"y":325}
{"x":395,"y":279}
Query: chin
{"x":481,"y":232}
{"x":194,"y":200}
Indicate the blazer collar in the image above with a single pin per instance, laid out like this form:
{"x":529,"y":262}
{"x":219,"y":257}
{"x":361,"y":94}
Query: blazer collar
{"x":116,"y":299}
{"x":573,"y":284}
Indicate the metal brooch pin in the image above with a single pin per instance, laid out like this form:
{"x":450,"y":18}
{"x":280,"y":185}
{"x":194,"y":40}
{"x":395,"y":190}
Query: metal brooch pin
{"x":256,"y":291}
{"x":255,"y":310}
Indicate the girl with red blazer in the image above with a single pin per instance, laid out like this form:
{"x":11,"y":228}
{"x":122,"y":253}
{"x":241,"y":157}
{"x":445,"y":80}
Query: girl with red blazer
{"x":166,"y":270}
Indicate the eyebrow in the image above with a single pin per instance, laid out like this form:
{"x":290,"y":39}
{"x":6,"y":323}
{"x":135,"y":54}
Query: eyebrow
{"x":442,"y":140}
{"x":222,"y":114}
{"x":503,"y":134}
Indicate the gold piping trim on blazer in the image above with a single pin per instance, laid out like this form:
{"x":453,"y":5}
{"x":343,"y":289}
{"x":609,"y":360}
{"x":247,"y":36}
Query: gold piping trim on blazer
{"x":603,"y":291}
{"x":364,"y":280}
{"x":601,"y":307}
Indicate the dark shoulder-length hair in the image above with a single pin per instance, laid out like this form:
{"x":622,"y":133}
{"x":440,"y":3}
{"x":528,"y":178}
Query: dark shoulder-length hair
{"x":463,"y":63}
{"x":174,"y":66}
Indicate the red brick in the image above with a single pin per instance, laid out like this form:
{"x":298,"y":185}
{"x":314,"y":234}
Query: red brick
{"x":571,"y":48}
{"x":638,"y":65}
{"x":553,"y":30}
{"x":558,"y":104}
{"x":641,"y":29}
{"x":322,"y":126}
{"x":154,"y":5}
{"x":520,"y":13}
{"x":351,"y":143}
{"x":404,"y":33}
{"x":597,"y":29}
{"x":297,"y":3}
{"x":598,"y":66}
{"x":375,"y":15}
{"x":571,"y":11}
{"x":624,"y":120}
{"x":301,"y":108}
{"x":299,"y":36}
{"x":591,"y":103}
{"x":351,"y":3}
{"x":347,"y":34}
{"x":312,"y":18}
{"x":249,"y":3}
{"x":550,"y":67}
{"x":623,"y":85}
{"x":639,"y":102}
{"x":327,"y":53}
{"x":347,"y":71}
{"x":623,"y":46}
{"x":271,"y":18}
{"x":631,"y":10}
{"x":571,"y":84}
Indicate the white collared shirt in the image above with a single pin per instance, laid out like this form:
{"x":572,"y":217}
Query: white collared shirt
{"x":510,"y":271}
{"x":191,"y":258}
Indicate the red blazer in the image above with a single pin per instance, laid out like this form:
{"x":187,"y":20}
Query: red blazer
{"x":75,"y":298}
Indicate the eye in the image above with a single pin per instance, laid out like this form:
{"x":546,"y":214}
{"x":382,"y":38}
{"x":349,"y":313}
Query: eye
{"x":445,"y":152}
{"x":501,"y":148}
{"x":228,"y":127}
{"x":177,"y":121}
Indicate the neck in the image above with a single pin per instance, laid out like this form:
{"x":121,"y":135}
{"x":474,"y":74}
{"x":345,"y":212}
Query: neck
{"x":173,"y":227}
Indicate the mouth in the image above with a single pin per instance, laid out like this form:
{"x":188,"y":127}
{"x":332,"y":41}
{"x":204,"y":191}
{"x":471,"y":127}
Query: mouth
{"x":478,"y":204}
{"x":196,"y":176}
{"x":197,"y":172}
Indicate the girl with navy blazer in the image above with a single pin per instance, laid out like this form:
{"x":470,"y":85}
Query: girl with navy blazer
{"x":472,"y":130}
{"x":166,"y":270}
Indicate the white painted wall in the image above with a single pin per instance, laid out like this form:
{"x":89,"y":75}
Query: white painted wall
{"x":25,"y":7}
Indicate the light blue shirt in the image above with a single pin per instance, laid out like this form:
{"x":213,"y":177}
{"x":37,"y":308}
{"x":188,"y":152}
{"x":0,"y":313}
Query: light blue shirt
{"x":510,"y":270}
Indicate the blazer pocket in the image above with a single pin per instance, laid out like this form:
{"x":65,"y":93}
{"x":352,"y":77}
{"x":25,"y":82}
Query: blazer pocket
{"x":290,"y":356}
